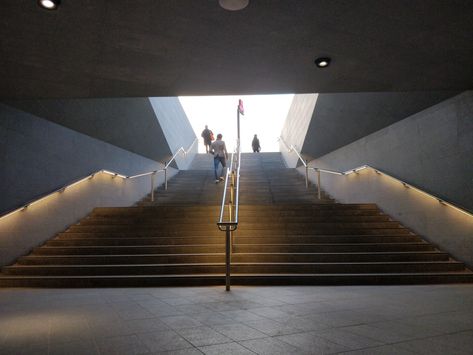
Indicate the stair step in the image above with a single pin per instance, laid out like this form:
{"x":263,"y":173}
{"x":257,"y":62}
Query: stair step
{"x":67,"y":240}
{"x":237,"y":257}
{"x":219,"y":279}
{"x":251,"y":219}
{"x":237,"y":268}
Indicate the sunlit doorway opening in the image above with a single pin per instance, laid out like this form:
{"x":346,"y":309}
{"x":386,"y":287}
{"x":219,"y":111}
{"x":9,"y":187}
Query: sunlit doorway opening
{"x":264,"y":116}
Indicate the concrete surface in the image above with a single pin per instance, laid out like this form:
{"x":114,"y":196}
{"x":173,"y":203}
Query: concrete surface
{"x":188,"y":47}
{"x":39,"y":157}
{"x":176,"y":128}
{"x":295,"y":127}
{"x":432,"y":150}
{"x":340,"y":119}
{"x":128,"y":123}
{"x":401,"y":320}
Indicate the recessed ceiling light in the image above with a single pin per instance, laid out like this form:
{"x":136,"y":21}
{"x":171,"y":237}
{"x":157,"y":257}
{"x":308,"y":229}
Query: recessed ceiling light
{"x":233,"y":5}
{"x":322,"y":62}
{"x":49,"y":4}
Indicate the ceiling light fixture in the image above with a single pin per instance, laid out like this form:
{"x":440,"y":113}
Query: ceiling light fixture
{"x":49,"y":4}
{"x":322,"y":62}
{"x":233,"y":5}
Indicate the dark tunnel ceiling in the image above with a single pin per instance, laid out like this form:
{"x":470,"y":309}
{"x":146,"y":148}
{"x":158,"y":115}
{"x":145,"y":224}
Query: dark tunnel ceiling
{"x":125,"y":48}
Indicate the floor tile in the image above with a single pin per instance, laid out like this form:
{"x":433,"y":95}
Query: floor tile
{"x":350,"y":340}
{"x":226,"y":349}
{"x":126,"y":345}
{"x":241,"y":315}
{"x":180,"y":322}
{"x":239,"y":331}
{"x":311,"y":343}
{"x":270,"y":346}
{"x":74,"y":348}
{"x":201,"y":336}
{"x":272,"y":327}
{"x":166,"y":340}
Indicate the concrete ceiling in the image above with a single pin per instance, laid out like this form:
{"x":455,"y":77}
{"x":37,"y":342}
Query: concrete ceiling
{"x":123,"y":48}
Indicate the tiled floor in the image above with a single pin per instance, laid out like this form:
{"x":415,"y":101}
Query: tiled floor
{"x":248,"y":320}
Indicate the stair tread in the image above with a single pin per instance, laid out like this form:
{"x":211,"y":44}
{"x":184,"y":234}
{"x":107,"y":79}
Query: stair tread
{"x":436,"y":273}
{"x":234,"y":264}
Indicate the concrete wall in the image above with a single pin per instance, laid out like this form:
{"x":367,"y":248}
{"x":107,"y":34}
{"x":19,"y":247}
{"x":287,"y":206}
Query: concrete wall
{"x":432,"y":150}
{"x":340,"y":119}
{"x":296,"y":125}
{"x":176,"y":127}
{"x":128,"y":123}
{"x":37,"y":157}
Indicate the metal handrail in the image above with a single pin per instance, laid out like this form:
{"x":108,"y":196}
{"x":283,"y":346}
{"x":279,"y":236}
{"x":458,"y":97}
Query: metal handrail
{"x":378,"y":171}
{"x":108,"y":172}
{"x":229,"y":226}
{"x":291,"y":149}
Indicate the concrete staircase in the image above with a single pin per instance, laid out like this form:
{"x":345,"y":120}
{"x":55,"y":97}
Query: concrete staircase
{"x":285,"y":236}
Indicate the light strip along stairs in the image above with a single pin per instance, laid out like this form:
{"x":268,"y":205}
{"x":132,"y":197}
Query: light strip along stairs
{"x":285,"y":236}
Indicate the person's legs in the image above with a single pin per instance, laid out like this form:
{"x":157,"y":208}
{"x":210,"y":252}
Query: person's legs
{"x":216,"y":161}
{"x":222,"y":161}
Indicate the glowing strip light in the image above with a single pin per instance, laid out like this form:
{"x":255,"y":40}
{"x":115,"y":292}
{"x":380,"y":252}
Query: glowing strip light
{"x":108,"y":172}
{"x":405,"y":184}
{"x":64,"y":188}
{"x":377,"y":171}
{"x":144,"y":174}
{"x":409,"y":186}
{"x":113,"y":174}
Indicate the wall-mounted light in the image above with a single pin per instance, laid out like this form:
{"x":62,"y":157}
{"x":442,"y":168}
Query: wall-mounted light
{"x":322,"y":62}
{"x":49,"y":4}
{"x":233,"y":5}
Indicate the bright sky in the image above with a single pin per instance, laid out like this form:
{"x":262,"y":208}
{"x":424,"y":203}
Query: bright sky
{"x":264,"y":116}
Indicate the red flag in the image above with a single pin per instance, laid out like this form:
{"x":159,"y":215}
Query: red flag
{"x":240,"y":107}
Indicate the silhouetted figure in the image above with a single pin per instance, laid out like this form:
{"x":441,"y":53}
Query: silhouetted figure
{"x":208,"y":136}
{"x":255,"y":144}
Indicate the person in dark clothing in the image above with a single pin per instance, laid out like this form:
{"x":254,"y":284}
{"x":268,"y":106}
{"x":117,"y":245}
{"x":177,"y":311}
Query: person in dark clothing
{"x":255,"y":144}
{"x":207,"y":134}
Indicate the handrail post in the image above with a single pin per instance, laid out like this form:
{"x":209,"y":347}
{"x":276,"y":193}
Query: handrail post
{"x":152,"y":186}
{"x":165,"y":176}
{"x":306,"y":175}
{"x":227,"y":256}
{"x":318,"y":185}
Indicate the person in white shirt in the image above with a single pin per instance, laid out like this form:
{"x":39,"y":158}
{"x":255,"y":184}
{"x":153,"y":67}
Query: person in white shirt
{"x":219,"y":150}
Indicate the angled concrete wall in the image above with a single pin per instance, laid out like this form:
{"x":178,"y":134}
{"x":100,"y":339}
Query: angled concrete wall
{"x":296,"y":125}
{"x":37,"y":157}
{"x":339,"y":119}
{"x":176,"y":127}
{"x":432,"y":150}
{"x":128,"y":123}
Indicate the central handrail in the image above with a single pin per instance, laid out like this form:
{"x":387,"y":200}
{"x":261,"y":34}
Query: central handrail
{"x":232,"y":183}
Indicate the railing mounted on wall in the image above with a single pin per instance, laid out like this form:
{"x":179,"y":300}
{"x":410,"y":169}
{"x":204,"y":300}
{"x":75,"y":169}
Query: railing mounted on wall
{"x":152,"y":174}
{"x":318,"y":171}
{"x":230,"y":224}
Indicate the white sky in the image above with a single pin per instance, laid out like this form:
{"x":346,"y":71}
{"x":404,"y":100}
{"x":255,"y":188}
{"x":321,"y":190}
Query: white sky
{"x":264,"y":116}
